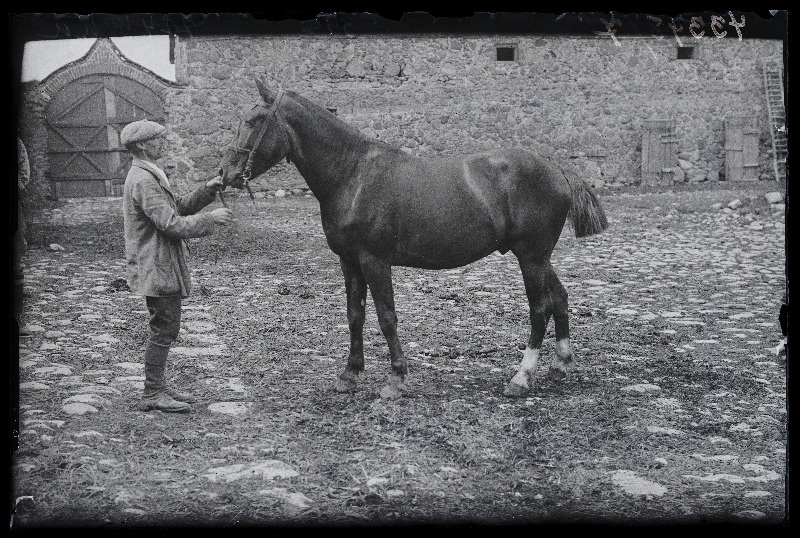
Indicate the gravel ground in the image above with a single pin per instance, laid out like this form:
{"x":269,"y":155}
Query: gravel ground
{"x":674,"y":412}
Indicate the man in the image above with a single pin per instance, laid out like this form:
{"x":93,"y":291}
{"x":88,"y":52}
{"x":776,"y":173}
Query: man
{"x":156,"y":224}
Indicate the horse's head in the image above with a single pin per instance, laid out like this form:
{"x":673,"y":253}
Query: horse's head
{"x":261,"y":141}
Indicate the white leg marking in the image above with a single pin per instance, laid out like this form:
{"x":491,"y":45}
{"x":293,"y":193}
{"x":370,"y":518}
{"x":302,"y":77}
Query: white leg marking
{"x":527,"y":367}
{"x":563,"y":358}
{"x":564,"y":350}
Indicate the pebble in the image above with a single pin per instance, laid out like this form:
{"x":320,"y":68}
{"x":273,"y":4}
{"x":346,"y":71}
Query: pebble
{"x":102,"y":389}
{"x":774,"y":197}
{"x":732,"y":478}
{"x":199,"y":351}
{"x":636,"y":485}
{"x":229,"y":408}
{"x":78,"y":408}
{"x":104,"y":338}
{"x":268,"y":470}
{"x":87,"y":399}
{"x":751,"y":514}
{"x":33,"y":385}
{"x":199,"y":326}
{"x":622,"y":311}
{"x":135,"y":511}
{"x":667,"y":431}
{"x":294,"y":498}
{"x":87,"y":433}
{"x":54,"y":370}
{"x":641,"y":388}
{"x":130,"y":365}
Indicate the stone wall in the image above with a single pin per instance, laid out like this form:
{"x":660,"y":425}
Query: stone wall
{"x":581,"y":97}
{"x":33,"y":133}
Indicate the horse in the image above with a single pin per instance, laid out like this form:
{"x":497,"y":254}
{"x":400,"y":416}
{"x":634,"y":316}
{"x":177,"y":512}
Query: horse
{"x":381,"y":207}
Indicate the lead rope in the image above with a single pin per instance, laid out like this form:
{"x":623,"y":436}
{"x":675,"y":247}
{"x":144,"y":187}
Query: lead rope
{"x":216,"y":242}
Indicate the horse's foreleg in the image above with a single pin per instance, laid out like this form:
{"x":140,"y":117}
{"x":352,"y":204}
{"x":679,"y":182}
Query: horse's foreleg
{"x":563,"y":358}
{"x":378,"y":274}
{"x":356,"y":288}
{"x":535,"y":274}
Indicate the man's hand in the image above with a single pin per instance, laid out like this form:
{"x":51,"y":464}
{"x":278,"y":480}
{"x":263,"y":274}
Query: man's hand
{"x":222,"y":216}
{"x":215,"y":183}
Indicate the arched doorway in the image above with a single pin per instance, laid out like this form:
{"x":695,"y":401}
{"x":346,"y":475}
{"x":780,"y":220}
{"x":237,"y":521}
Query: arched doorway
{"x":83,"y":123}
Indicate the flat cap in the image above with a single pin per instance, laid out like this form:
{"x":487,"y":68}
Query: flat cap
{"x":140,"y":130}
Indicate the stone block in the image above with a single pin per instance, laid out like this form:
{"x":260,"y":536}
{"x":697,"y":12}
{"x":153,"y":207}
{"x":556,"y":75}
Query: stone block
{"x":774,"y":197}
{"x":222,"y":72}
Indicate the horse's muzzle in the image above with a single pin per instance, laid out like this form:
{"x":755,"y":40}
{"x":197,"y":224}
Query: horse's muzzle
{"x":233,"y":180}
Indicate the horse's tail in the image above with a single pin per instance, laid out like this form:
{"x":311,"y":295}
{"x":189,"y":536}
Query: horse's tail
{"x":585,"y":211}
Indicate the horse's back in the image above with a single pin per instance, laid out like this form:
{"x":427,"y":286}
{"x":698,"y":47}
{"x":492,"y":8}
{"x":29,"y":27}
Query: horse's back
{"x":482,"y":202}
{"x":450,"y":211}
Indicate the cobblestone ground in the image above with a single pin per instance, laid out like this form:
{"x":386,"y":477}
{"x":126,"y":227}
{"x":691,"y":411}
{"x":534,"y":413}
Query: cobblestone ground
{"x":675,"y":410}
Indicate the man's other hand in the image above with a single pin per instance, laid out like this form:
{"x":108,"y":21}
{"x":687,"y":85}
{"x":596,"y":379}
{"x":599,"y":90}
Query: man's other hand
{"x":222,"y":216}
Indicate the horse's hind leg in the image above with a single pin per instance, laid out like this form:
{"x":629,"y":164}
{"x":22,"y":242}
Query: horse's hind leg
{"x":535,"y":274}
{"x":356,"y":288}
{"x":378,"y":274}
{"x":563,"y":358}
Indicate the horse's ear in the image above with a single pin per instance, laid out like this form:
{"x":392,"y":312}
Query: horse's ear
{"x":265,"y":92}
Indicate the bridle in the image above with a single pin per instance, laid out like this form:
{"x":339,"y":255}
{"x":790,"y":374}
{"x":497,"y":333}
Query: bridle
{"x":248,"y":172}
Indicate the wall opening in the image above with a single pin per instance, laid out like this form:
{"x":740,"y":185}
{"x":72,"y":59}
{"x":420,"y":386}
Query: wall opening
{"x":506,"y":53}
{"x":686,"y":53}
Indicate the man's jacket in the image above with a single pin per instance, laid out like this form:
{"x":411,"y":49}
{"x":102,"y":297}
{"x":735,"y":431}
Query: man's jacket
{"x":156,"y":224}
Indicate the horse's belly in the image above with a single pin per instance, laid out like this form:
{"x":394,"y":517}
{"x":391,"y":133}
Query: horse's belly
{"x":440,"y":245}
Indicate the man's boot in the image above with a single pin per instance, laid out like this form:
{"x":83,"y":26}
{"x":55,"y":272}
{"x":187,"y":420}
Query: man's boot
{"x":155,"y":389}
{"x":179,"y":396}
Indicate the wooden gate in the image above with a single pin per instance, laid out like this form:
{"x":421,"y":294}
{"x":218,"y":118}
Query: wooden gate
{"x":741,"y":148}
{"x":83,"y":124}
{"x":659,"y":152}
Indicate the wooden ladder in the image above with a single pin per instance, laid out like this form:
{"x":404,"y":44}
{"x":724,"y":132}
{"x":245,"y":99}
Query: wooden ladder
{"x":773,"y":86}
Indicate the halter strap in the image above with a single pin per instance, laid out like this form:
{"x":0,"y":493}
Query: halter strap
{"x":272,"y":111}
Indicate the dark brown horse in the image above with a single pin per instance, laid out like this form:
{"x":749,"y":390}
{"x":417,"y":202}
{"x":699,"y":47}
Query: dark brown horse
{"x":382,"y":207}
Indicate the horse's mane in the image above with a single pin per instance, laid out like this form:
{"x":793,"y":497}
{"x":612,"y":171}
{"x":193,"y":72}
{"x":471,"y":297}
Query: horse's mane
{"x":325,"y":115}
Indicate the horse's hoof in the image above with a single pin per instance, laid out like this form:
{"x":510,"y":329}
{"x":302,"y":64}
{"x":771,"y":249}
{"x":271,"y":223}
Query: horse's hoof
{"x":391,"y":392}
{"x":557,"y":373}
{"x":397,"y":381}
{"x":345,"y":385}
{"x":515,"y":391}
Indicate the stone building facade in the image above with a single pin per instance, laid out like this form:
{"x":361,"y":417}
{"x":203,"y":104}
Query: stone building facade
{"x":583,"y":98}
